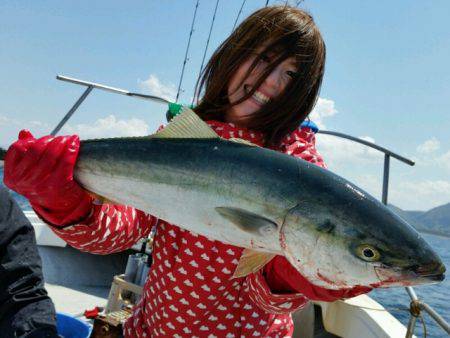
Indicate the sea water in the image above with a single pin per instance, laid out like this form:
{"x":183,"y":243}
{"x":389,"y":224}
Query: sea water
{"x":395,"y":300}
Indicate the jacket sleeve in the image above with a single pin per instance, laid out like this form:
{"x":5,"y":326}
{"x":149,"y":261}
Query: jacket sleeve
{"x":279,"y":287}
{"x":25,"y":308}
{"x":108,"y":229}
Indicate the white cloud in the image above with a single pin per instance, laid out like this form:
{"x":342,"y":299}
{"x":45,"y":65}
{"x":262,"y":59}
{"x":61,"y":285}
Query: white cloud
{"x":421,"y":194}
{"x":324,"y":108}
{"x":4,"y":120}
{"x":364,"y":166}
{"x":154,"y":86}
{"x":444,"y":160}
{"x":428,"y":155}
{"x":429,"y":146}
{"x":109,"y":126}
{"x":10,"y":127}
{"x":369,"y":183}
{"x":339,"y":152}
{"x":409,"y":192}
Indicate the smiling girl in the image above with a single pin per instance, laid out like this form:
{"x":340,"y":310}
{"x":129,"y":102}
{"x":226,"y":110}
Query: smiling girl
{"x":259,"y":85}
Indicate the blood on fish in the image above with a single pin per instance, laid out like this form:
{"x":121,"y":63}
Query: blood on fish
{"x":377,"y":285}
{"x":391,"y":281}
{"x":282,"y":240}
{"x":329,"y":281}
{"x":360,"y":289}
{"x":325,"y":279}
{"x":387,"y":281}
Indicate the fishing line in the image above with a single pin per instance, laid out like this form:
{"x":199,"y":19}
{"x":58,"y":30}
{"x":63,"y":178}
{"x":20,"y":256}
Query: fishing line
{"x":187,"y":50}
{"x":206,"y":47}
{"x":239,"y":13}
{"x":385,"y":309}
{"x":368,"y":308}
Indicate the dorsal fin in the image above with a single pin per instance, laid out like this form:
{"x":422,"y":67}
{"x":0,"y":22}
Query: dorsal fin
{"x":186,"y":125}
{"x":239,"y":140}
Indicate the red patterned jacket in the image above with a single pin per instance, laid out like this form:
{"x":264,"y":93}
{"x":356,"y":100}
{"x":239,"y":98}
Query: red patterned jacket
{"x":189,"y":291}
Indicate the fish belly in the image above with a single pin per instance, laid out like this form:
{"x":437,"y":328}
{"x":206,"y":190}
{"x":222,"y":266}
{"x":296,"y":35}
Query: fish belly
{"x":186,"y":207}
{"x":185,"y":190}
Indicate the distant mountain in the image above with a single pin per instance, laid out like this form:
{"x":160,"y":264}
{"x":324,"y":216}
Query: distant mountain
{"x":435,"y":221}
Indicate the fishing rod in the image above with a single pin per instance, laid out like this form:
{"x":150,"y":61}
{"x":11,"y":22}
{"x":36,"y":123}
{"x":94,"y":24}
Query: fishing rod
{"x":187,"y":52}
{"x":238,"y":15}
{"x":204,"y":53}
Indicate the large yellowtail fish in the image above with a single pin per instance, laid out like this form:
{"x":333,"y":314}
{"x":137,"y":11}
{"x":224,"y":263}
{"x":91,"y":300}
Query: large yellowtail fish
{"x":333,"y":232}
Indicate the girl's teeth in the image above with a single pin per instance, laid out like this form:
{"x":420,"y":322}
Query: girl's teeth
{"x":260,"y":97}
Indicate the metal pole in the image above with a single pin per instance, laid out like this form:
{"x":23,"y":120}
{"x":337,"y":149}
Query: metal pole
{"x":441,"y":321}
{"x":411,"y":325}
{"x":411,"y":293}
{"x":72,"y":110}
{"x":369,"y":144}
{"x":112,"y":89}
{"x":385,"y":179}
{"x":384,"y":199}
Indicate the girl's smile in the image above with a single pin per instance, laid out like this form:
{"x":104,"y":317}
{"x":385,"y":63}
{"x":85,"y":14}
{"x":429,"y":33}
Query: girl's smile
{"x":273,"y":85}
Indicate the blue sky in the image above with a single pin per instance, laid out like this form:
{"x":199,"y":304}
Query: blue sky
{"x":387,"y":77}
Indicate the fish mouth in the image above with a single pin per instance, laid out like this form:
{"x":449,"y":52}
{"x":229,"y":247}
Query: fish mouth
{"x":415,"y":275}
{"x":434,"y":271}
{"x":436,"y":278}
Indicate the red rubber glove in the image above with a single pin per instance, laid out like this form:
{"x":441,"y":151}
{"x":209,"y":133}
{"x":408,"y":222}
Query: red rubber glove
{"x":42,"y":171}
{"x":282,"y":277}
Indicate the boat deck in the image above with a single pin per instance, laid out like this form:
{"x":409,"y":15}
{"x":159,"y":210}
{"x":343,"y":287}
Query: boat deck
{"x":75,"y":301}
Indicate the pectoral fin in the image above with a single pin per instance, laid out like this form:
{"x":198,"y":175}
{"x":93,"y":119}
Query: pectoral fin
{"x":248,"y":221}
{"x":251,"y":261}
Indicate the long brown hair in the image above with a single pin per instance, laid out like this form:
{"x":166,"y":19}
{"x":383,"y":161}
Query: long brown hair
{"x":286,"y":31}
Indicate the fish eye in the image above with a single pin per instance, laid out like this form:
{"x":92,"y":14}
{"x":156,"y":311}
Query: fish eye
{"x":368,"y":253}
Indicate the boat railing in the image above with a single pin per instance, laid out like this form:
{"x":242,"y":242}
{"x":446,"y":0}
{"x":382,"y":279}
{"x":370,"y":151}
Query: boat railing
{"x":416,"y":306}
{"x":92,"y":85}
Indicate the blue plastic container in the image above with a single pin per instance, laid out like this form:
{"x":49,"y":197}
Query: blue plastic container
{"x":70,"y":327}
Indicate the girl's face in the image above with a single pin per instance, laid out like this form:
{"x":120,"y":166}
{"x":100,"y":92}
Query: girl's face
{"x":273,"y":85}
